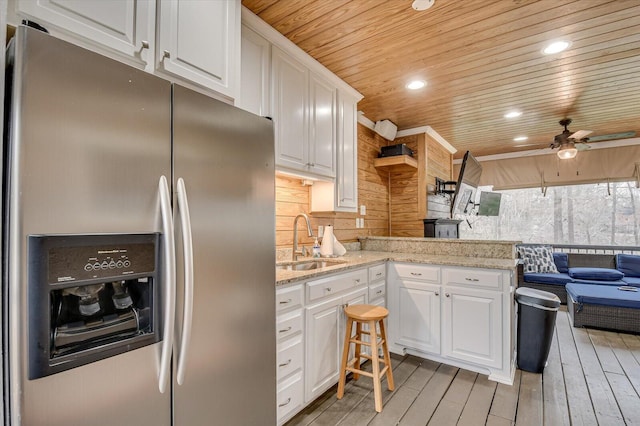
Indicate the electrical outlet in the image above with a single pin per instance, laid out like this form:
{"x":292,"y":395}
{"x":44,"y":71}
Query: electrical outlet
{"x":357,"y":222}
{"x":363,"y":210}
{"x":320,"y":231}
{"x":362,"y":222}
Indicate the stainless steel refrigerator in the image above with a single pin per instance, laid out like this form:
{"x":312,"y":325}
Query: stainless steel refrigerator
{"x":138,"y":248}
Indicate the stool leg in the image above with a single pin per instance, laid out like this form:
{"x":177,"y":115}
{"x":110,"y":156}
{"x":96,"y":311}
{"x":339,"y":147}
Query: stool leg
{"x":387,"y":357}
{"x":358,"y":349}
{"x":377,"y":388}
{"x":345,"y":359}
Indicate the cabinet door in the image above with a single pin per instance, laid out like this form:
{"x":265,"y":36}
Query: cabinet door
{"x":347,"y":170}
{"x":472,"y":325}
{"x":322,"y":120}
{"x":123,"y":26}
{"x":418,"y":316}
{"x":199,"y":41}
{"x":322,"y":346}
{"x":254,"y":73}
{"x":290,"y":100}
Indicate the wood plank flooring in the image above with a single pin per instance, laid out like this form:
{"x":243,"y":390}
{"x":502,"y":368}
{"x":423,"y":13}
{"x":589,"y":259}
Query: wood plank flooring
{"x":593,"y":378}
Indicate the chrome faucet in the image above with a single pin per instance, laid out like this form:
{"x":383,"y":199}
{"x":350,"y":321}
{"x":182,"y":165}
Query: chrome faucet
{"x":295,"y":251}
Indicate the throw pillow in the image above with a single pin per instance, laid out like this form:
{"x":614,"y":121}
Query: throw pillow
{"x":629,"y":264}
{"x":537,"y":259}
{"x":601,"y":274}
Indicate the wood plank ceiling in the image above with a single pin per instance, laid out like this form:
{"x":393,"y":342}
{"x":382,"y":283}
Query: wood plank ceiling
{"x":480,"y":59}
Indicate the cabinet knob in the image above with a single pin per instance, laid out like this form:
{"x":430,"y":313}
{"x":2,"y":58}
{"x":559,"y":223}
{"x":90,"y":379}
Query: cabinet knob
{"x":446,"y":294}
{"x":145,"y":44}
{"x":328,"y":288}
{"x":166,"y":54}
{"x":437,"y":294}
{"x":357,"y":280}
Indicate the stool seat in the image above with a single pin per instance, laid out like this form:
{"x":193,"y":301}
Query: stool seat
{"x":371,"y":317}
{"x":366,"y":312}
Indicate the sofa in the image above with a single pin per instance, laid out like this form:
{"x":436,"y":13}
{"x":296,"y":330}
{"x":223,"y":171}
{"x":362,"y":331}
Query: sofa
{"x":600,"y":290}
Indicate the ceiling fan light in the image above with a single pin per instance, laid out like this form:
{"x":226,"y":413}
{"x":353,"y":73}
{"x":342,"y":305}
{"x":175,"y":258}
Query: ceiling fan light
{"x":568,"y":152}
{"x":556,"y":47}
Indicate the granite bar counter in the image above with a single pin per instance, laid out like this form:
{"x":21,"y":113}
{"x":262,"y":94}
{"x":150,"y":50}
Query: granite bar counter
{"x":434,"y":251}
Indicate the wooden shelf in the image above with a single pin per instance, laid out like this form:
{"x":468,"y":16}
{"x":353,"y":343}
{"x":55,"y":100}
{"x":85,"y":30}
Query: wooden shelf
{"x":397,"y":161}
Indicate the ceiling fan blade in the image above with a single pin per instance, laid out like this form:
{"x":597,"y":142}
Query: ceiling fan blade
{"x":612,"y":136}
{"x":581,"y":146}
{"x":580,"y":134}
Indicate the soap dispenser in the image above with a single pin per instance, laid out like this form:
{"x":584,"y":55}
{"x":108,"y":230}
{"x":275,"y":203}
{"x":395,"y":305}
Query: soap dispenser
{"x":316,"y":248}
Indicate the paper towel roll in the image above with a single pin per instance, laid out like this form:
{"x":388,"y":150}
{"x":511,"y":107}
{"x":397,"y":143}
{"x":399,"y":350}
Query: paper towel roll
{"x":338,"y":248}
{"x":326,"y":248}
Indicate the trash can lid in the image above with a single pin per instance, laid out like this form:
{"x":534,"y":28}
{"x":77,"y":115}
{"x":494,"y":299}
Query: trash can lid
{"x":531,"y":296}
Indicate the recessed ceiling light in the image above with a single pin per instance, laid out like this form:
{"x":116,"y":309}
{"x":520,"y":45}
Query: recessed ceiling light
{"x":513,"y":114}
{"x":422,"y":4}
{"x":520,"y":138}
{"x":416,"y":84}
{"x":556,"y":47}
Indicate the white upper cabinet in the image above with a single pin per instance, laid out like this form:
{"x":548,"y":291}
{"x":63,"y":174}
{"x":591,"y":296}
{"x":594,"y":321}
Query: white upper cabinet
{"x":290,"y":111}
{"x":199,"y":41}
{"x":347,"y":173}
{"x":322,"y":127}
{"x":125,"y":28}
{"x":255,"y":73}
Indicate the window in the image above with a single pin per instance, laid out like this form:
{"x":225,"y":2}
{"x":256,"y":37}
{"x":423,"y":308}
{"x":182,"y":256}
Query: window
{"x":593,"y":214}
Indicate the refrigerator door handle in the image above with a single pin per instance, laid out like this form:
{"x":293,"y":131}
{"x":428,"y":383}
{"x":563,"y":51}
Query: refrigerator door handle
{"x":170,"y":283}
{"x":185,"y":222}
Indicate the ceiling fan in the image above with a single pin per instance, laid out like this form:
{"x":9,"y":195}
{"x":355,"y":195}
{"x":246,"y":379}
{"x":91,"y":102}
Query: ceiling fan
{"x":570,"y":143}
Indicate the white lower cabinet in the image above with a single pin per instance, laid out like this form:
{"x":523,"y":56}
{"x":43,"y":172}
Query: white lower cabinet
{"x":455,"y":315}
{"x":472,"y":331}
{"x":325,"y":335}
{"x":416,"y":318}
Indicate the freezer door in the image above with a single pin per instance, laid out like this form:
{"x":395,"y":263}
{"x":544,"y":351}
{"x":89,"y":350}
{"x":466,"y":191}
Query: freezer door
{"x":89,"y":139}
{"x":226,"y":158}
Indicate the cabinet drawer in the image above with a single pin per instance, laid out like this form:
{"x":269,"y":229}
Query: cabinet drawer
{"x":289,"y":356}
{"x":418,"y":272}
{"x":288,"y":298}
{"x":472,"y":277}
{"x":289,"y":397}
{"x":377,"y":272}
{"x":335,"y":284}
{"x":377,"y":290}
{"x":289,"y":324}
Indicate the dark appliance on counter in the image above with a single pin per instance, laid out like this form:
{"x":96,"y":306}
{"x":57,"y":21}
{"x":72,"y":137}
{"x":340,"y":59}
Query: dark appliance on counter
{"x":441,"y":228}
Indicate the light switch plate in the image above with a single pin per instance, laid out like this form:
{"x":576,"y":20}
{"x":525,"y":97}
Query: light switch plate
{"x":320,"y":231}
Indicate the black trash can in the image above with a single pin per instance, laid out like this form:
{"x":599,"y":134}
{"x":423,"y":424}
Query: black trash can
{"x":537,"y":311}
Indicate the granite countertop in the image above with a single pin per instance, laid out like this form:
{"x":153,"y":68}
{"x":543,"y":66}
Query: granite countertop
{"x":357,"y":259}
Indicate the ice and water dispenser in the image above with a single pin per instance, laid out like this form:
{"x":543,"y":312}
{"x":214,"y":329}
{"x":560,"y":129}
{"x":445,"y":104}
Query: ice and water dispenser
{"x":90,"y":297}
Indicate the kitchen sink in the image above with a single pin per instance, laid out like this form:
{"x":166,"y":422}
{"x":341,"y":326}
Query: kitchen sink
{"x":306,"y":265}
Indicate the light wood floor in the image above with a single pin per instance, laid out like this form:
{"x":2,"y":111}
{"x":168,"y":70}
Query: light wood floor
{"x":593,"y":377}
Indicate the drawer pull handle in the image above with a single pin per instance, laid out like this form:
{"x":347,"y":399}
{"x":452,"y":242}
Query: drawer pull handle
{"x":472,"y":279}
{"x":284,"y":364}
{"x":379,"y":291}
{"x":416,"y":274}
{"x":378,"y":274}
{"x":286,"y":329}
{"x":284,"y":302}
{"x":328,"y":289}
{"x":285,"y":403}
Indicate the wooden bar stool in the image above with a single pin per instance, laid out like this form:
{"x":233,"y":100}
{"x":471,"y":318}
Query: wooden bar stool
{"x":371,"y":315}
